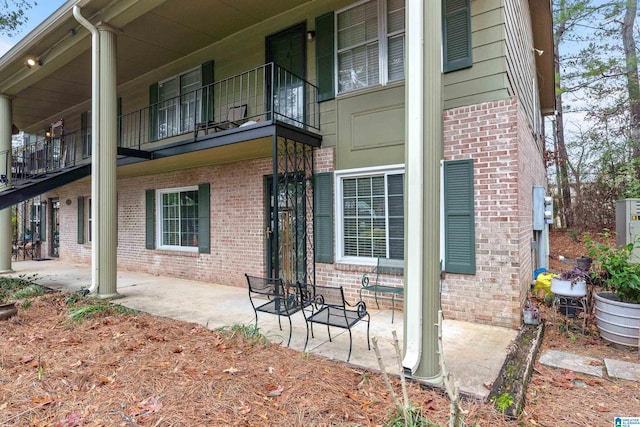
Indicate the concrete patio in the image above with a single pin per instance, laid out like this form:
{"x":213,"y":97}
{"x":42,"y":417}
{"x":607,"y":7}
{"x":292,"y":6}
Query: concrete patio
{"x":473,"y":353}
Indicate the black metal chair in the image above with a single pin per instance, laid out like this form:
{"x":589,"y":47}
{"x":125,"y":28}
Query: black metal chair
{"x":269,"y":295}
{"x":330,"y":308}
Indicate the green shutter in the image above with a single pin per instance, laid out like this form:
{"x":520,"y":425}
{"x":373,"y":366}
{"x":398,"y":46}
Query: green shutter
{"x":153,"y":112}
{"x":204,"y":221}
{"x":150,"y":223}
{"x":207,"y":92}
{"x":325,"y":57}
{"x":80,"y":220}
{"x":456,"y":37}
{"x":460,"y":238}
{"x":323,"y":216}
{"x":43,"y":222}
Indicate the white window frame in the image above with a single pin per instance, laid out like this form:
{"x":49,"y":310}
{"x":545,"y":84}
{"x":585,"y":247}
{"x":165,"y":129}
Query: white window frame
{"x":159,"y":218}
{"x":339,"y":176}
{"x":382,"y":40}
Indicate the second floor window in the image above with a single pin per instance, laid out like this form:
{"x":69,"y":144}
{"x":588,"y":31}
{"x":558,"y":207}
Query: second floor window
{"x":370,"y":43}
{"x":178,"y":104}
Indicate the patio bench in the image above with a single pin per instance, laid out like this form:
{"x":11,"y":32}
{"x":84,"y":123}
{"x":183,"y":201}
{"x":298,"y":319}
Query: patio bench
{"x":270,"y":295}
{"x":330,"y":308}
{"x":374,"y":285}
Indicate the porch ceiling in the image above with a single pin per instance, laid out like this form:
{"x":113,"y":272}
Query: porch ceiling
{"x":152,"y":33}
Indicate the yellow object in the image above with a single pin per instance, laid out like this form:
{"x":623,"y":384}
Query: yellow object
{"x":543,"y":282}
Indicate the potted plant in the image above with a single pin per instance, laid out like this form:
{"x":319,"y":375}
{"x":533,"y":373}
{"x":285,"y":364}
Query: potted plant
{"x":531,"y":314}
{"x":570,"y":283}
{"x":618,"y":305}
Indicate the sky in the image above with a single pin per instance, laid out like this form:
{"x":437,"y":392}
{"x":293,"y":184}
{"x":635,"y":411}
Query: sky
{"x":36,"y":15}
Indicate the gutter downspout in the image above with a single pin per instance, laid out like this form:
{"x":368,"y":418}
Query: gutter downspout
{"x":95,"y":140}
{"x":415,"y":192}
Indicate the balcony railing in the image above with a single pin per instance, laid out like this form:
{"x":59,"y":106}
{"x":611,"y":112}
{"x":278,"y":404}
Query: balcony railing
{"x":43,"y":155}
{"x":264,"y":93}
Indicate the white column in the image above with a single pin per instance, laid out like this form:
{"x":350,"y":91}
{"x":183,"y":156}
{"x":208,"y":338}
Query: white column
{"x":105,"y":198}
{"x":423,"y":104}
{"x":6,"y":236}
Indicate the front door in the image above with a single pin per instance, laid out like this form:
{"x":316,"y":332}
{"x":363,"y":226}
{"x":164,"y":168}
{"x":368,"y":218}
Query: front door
{"x":286,"y":255}
{"x":287,"y":50}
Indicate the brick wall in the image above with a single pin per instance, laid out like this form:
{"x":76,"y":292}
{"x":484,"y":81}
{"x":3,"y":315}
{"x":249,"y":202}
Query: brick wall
{"x":507,"y":164}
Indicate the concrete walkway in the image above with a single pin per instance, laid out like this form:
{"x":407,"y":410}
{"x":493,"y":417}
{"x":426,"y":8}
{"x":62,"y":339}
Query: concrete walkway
{"x":591,"y":366}
{"x":473,"y":353}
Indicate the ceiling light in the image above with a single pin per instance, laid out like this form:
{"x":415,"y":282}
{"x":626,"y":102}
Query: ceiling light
{"x":32,"y":62}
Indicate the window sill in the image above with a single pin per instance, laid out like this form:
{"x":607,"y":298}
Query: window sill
{"x":371,"y":89}
{"x":173,"y":252}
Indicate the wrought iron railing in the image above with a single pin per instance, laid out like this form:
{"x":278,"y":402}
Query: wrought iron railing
{"x":41,"y":156}
{"x":264,"y":93}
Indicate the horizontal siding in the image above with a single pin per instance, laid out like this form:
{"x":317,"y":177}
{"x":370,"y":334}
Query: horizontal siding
{"x":520,"y":56}
{"x":482,"y":89}
{"x":486,"y":80}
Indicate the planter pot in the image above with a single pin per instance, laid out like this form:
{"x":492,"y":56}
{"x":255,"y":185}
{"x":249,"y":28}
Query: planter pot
{"x":531,"y":317}
{"x":618,"y":322}
{"x":567,"y":289}
{"x":8,"y":310}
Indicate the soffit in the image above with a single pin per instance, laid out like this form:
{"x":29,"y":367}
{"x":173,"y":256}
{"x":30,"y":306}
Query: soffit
{"x":542,"y":23}
{"x":151,"y":33}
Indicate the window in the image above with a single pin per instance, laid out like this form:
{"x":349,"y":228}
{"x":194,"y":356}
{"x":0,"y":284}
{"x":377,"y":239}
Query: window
{"x":177,"y":218}
{"x":370,"y":43}
{"x":178,"y":104}
{"x":370,"y":214}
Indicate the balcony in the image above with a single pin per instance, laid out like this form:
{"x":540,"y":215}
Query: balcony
{"x":265,"y":95}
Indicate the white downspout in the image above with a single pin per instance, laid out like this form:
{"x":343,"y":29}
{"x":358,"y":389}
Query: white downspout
{"x":95,"y":106}
{"x":415,"y":178}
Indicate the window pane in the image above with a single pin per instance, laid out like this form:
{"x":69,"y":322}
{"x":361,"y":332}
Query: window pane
{"x":358,"y":25}
{"x":180,"y":219}
{"x":373,"y":216}
{"x":395,"y":16}
{"x":396,"y":57}
{"x":358,"y":62}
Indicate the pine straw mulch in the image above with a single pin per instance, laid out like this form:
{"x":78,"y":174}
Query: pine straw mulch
{"x":142,"y":370}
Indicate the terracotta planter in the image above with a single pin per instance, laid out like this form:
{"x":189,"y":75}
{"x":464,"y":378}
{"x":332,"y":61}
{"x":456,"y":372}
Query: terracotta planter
{"x":8,"y":310}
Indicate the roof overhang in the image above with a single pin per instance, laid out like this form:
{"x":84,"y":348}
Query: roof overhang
{"x":542,"y":25}
{"x":151,"y":35}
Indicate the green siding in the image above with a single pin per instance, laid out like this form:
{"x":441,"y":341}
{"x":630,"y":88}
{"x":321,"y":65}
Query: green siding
{"x":325,"y":57}
{"x":456,"y":38}
{"x":204,"y":220}
{"x":150,"y":224}
{"x":460,"y":256}
{"x":80,"y":220}
{"x":323,"y":216}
